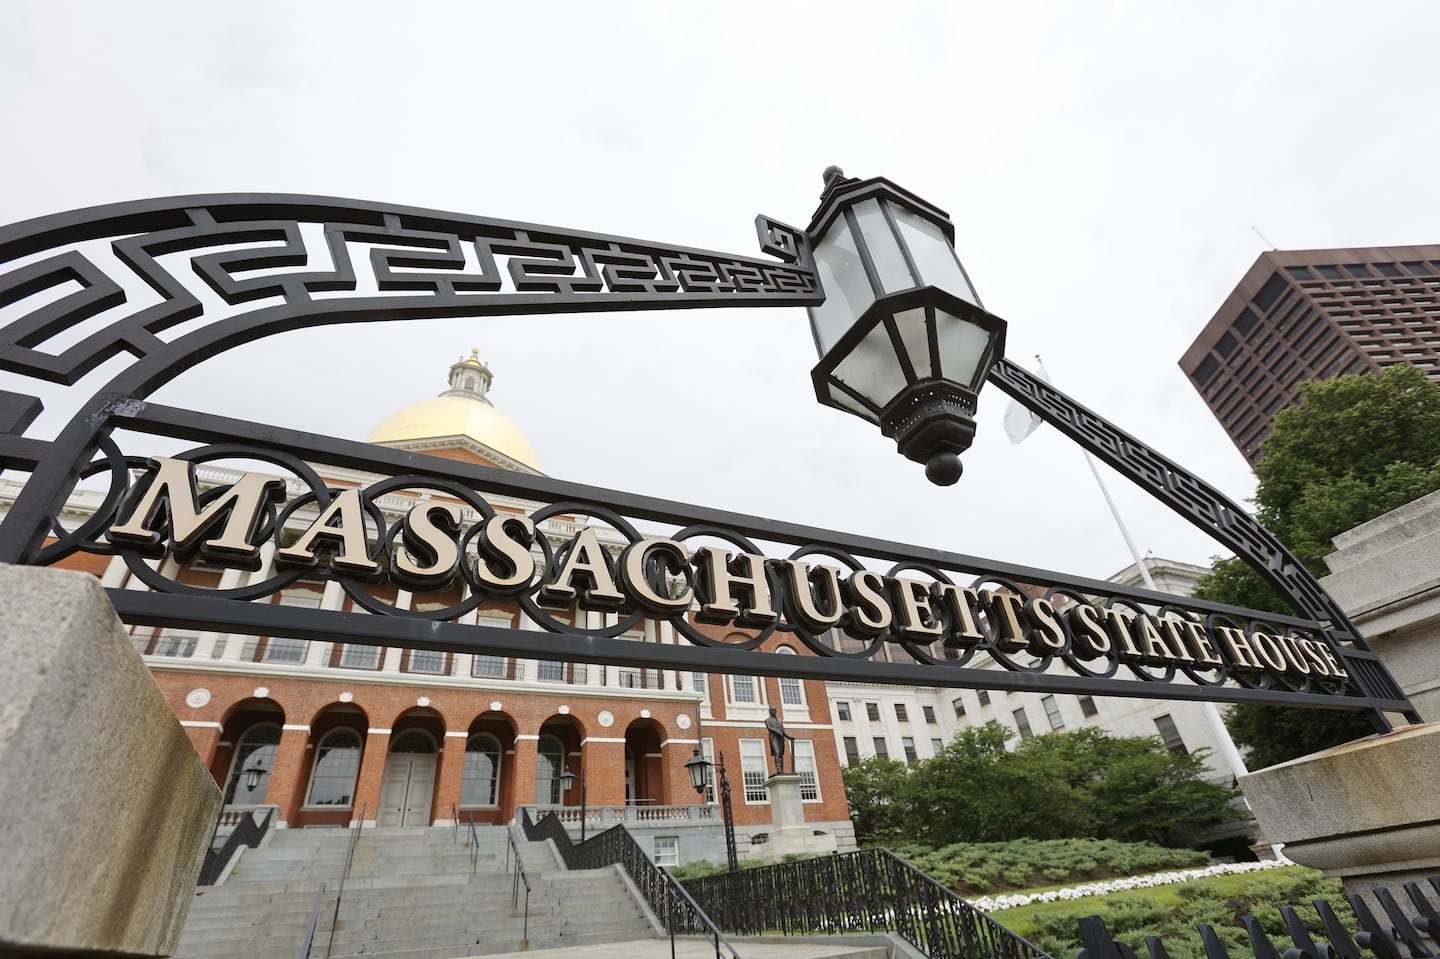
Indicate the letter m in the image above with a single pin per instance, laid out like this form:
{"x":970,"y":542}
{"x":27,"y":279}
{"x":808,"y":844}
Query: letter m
{"x":173,"y":491}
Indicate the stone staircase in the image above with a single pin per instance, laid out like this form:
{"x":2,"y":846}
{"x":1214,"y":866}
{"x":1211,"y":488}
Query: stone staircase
{"x":410,"y":895}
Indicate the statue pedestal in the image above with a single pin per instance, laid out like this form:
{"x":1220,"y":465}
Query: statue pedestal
{"x":1362,"y":811}
{"x":791,"y":834}
{"x":109,"y":809}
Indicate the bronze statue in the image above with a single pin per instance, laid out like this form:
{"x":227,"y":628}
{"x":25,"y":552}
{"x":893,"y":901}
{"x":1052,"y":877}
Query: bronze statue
{"x":778,"y":735}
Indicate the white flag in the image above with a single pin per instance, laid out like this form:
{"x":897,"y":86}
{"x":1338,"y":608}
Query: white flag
{"x":1020,"y":422}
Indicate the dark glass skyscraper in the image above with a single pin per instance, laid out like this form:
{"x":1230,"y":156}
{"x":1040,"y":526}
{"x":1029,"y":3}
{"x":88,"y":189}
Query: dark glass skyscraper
{"x":1311,"y":314}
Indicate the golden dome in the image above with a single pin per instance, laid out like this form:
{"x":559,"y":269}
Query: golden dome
{"x":461,"y":412}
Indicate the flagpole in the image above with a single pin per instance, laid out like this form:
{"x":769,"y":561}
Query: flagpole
{"x":1212,"y":713}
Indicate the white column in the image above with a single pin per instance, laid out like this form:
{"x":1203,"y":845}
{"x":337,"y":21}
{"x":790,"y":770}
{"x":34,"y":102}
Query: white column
{"x":115,"y":574}
{"x":393,"y":653}
{"x":234,"y":644}
{"x":206,"y":642}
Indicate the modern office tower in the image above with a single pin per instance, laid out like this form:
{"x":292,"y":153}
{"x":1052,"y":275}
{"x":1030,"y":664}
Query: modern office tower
{"x":1312,"y":314}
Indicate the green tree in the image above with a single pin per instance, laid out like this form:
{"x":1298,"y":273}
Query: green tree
{"x":1078,"y":784}
{"x":874,"y":788}
{"x":1355,"y":447}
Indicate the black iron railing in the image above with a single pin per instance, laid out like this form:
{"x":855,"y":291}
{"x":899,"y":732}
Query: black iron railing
{"x":246,"y":833}
{"x":513,"y":850}
{"x":1415,"y":925}
{"x":869,"y":891}
{"x":668,"y":899}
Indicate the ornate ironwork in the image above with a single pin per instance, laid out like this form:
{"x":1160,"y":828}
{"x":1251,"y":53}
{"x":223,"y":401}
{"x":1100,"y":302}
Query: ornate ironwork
{"x":872,"y":890}
{"x":274,"y":263}
{"x":1410,"y":925}
{"x":1211,"y":511}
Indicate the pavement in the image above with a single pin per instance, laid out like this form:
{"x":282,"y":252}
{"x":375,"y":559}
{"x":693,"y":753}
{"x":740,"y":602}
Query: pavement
{"x":696,"y":948}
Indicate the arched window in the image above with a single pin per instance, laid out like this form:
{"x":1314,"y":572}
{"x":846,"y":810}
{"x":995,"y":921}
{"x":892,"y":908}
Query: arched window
{"x":337,"y":762}
{"x":256,"y":751}
{"x":792,"y":693}
{"x":413,"y":741}
{"x":551,"y":761}
{"x":480,"y":783}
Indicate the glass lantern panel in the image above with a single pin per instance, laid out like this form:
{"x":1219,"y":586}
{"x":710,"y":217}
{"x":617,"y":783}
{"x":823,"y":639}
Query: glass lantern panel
{"x":915,"y":334}
{"x":847,"y":290}
{"x":848,"y":402}
{"x":884,"y":248}
{"x":933,"y":255}
{"x":872,"y":369}
{"x":962,"y":347}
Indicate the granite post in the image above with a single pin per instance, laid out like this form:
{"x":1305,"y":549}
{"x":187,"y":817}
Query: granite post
{"x":1364,"y":811}
{"x":108,"y":808}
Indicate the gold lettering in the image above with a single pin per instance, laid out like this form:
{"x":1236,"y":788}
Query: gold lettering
{"x":1201,"y":641}
{"x":1237,"y":648}
{"x":1174,"y":635}
{"x":917,"y":619}
{"x":340,"y":525}
{"x":506,"y":538}
{"x":1005,"y":614}
{"x":173,"y":488}
{"x":1293,"y":654}
{"x":1154,"y":649}
{"x":1267,"y":649}
{"x":1312,"y":651}
{"x":718,"y":576}
{"x":422,"y":537}
{"x":870,"y":615}
{"x":634,"y":567}
{"x":1117,"y":620}
{"x":961,"y":602}
{"x":1091,"y":640}
{"x":1048,"y":636}
{"x":802,"y":579}
{"x":1336,"y":669}
{"x":584,"y":557}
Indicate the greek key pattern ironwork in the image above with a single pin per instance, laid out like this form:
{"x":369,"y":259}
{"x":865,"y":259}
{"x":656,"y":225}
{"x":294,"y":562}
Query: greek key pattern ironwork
{"x":299,"y":256}
{"x":1205,"y":507}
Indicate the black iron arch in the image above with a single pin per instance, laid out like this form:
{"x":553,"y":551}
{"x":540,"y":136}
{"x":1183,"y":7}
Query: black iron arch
{"x":281,"y":262}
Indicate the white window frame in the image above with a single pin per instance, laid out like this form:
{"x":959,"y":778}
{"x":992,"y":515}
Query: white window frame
{"x":667,"y":851}
{"x":477,"y":673}
{"x":320,"y":756}
{"x":499,"y":759}
{"x":803,"y":761}
{"x":707,"y":749}
{"x":791,"y":686}
{"x":756,"y":690}
{"x":1052,"y":713}
{"x":754,"y":770}
{"x":355,"y":656}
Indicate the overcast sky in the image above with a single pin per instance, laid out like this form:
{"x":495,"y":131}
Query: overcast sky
{"x":1106,"y":166}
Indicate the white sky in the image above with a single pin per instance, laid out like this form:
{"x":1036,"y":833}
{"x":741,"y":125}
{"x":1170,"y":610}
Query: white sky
{"x":1104,"y":165}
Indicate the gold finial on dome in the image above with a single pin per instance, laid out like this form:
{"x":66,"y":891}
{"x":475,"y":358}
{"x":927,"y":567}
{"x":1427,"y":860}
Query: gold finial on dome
{"x":475,"y":357}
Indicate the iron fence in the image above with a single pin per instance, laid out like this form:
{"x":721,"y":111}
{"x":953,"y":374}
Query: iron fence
{"x":869,"y":891}
{"x":1414,"y":925}
{"x":668,"y":899}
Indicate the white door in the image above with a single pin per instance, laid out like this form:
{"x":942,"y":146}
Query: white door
{"x":407,"y":789}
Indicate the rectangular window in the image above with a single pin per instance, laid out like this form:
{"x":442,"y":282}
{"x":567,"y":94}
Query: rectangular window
{"x":929,"y":714}
{"x":753,"y":771}
{"x":1022,"y":723}
{"x":427,"y":661}
{"x":842,"y":711}
{"x":880,"y":751}
{"x":707,"y":749}
{"x":360,"y":657}
{"x":667,"y":850}
{"x":901,"y":715}
{"x":1088,"y":707}
{"x":629,"y":679}
{"x":959,"y":706}
{"x":805,"y":769}
{"x":984,"y":696}
{"x":852,"y":751}
{"x":285,"y":650}
{"x":908,"y":744}
{"x":174,"y":644}
{"x":1052,"y":713}
{"x":937,"y":746}
{"x":493,"y":666}
{"x":790,"y":694}
{"x":550,"y":672}
{"x":873,"y":711}
{"x":700,"y":683}
{"x":742,"y":689}
{"x":1170,"y":735}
